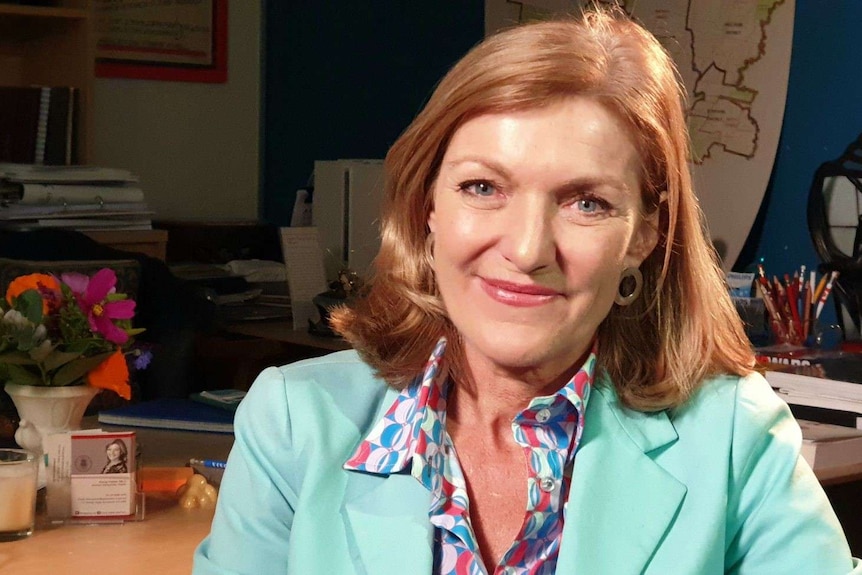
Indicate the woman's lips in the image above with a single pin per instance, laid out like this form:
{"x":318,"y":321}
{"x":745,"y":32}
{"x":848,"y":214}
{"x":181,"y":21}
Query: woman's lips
{"x":518,"y":295}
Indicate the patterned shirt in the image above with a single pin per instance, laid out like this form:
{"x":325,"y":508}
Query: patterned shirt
{"x":413,"y":432}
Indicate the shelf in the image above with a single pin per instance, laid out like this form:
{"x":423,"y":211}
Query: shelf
{"x":52,"y":46}
{"x":43,"y":12}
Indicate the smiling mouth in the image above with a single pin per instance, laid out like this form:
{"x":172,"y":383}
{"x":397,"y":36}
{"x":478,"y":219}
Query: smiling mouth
{"x":518,"y":295}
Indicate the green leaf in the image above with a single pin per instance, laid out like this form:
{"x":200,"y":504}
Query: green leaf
{"x":22,"y":376}
{"x":17,"y":358}
{"x":75,"y":370}
{"x":29,"y":304}
{"x":59,"y":358}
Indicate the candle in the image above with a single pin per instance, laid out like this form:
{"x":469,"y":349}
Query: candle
{"x":18,"y":471}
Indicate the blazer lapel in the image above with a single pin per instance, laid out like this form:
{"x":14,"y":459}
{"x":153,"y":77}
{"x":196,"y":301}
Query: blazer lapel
{"x":621,"y":502}
{"x":386,"y":521}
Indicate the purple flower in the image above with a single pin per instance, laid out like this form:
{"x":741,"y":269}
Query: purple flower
{"x":142,"y":359}
{"x":91,"y":294}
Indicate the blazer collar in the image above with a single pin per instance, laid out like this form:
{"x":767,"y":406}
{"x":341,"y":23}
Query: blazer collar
{"x":621,"y":502}
{"x":620,"y":505}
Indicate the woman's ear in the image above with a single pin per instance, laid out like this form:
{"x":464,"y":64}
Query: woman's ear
{"x":432,"y":221}
{"x":643,"y":241}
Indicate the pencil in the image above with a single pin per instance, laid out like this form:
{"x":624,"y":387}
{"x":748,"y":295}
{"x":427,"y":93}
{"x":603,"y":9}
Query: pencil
{"x":806,"y":311}
{"x":761,"y":277}
{"x":774,"y":316}
{"x":784,"y":305}
{"x":820,"y":286}
{"x":792,"y":303}
{"x":825,"y":295}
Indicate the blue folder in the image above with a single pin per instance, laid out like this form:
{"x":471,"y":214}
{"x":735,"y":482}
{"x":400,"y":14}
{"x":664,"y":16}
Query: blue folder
{"x":176,"y":414}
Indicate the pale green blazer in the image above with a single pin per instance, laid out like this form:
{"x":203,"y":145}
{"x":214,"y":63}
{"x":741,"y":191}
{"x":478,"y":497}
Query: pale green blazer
{"x":714,"y":487}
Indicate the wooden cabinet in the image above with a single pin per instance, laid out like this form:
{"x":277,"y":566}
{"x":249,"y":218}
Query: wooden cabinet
{"x":52,"y":46}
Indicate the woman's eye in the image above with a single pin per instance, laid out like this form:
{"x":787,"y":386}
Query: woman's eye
{"x":591,"y":206}
{"x":588,"y":206}
{"x":480,"y":188}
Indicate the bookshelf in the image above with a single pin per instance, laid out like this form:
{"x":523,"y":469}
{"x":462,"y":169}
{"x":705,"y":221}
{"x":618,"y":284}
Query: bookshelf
{"x":52,"y":46}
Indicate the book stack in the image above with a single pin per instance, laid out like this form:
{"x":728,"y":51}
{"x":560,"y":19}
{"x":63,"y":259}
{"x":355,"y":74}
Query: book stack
{"x":831,"y":450}
{"x":823,"y":389}
{"x":823,"y":386}
{"x":75,"y":197}
{"x":38,"y":124}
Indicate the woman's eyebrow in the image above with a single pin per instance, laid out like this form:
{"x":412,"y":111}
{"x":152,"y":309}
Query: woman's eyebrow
{"x":607,"y":182}
{"x":484,"y":162}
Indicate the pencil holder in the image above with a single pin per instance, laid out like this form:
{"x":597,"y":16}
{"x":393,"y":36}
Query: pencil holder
{"x":752,"y":311}
{"x":826,"y":336}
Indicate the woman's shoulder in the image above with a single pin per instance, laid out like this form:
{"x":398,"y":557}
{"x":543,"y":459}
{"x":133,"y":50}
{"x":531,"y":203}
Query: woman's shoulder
{"x":722,"y":406}
{"x":335,"y":369}
{"x":337,"y":388}
{"x":744,"y":409}
{"x":749,"y":396}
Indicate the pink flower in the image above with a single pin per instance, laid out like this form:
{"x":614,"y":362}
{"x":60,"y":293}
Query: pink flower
{"x":91,"y":294}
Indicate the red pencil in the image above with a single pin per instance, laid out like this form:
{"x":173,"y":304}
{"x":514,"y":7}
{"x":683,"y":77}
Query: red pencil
{"x":825,"y":295}
{"x":774,"y":316}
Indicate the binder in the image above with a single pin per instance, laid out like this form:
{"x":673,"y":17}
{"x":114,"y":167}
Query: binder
{"x":171,"y":413}
{"x":61,"y":115}
{"x":38,"y":124}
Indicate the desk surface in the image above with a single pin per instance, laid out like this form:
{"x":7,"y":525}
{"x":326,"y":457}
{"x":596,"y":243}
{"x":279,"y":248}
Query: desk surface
{"x":162,"y":544}
{"x":282,"y":331}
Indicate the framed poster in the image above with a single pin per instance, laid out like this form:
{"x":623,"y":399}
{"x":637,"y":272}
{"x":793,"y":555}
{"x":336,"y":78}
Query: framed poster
{"x":179,"y":40}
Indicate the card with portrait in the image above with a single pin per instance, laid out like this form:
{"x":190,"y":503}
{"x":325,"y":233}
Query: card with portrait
{"x":92,"y":474}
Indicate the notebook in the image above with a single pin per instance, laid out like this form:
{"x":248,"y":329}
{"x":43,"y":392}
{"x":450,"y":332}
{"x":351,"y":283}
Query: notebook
{"x":169,"y":413}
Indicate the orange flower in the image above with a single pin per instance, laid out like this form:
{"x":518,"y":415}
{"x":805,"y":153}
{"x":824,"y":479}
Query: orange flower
{"x":32,"y":281}
{"x":113,"y":374}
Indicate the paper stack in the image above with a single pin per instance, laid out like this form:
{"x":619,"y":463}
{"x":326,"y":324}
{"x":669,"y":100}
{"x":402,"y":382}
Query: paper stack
{"x":74,"y":197}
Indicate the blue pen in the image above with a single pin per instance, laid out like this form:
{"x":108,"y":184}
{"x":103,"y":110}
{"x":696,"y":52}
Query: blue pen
{"x":208,"y":463}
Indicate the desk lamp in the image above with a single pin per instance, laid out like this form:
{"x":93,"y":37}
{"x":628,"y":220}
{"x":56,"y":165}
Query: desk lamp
{"x":835,"y":225}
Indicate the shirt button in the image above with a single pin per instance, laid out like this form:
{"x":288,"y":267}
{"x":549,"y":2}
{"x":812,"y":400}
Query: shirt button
{"x":543,"y":415}
{"x":547,"y":484}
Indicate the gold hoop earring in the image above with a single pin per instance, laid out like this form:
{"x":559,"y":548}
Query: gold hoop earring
{"x":629,"y":288}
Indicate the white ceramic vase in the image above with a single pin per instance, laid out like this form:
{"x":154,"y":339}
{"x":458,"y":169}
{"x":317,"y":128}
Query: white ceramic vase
{"x":47,"y":410}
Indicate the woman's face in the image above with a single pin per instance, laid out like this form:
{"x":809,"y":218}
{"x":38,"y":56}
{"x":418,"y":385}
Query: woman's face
{"x":536,"y":214}
{"x":114,"y":452}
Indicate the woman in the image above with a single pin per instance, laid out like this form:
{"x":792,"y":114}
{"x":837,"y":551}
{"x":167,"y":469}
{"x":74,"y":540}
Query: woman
{"x":117,"y":454}
{"x":589,"y":405}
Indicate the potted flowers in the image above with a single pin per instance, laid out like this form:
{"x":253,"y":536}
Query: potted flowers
{"x":61,"y":341}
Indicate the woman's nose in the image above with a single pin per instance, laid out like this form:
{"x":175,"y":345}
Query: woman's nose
{"x":528,"y":240}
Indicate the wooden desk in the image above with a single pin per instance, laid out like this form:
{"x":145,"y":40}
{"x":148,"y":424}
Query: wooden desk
{"x":153,"y":243}
{"x":162,"y":544}
{"x":233,"y":357}
{"x":283,"y":332}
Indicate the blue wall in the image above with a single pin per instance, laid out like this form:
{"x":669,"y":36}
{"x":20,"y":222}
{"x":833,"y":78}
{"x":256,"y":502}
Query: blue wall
{"x":822,"y":117}
{"x":343,"y":79}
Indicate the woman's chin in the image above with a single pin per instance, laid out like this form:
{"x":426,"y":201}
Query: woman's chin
{"x":541,"y":354}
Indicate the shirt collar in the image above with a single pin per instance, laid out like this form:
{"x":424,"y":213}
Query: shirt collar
{"x":416,"y":419}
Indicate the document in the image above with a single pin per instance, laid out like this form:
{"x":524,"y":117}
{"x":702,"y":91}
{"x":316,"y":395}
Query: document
{"x":305,"y":276}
